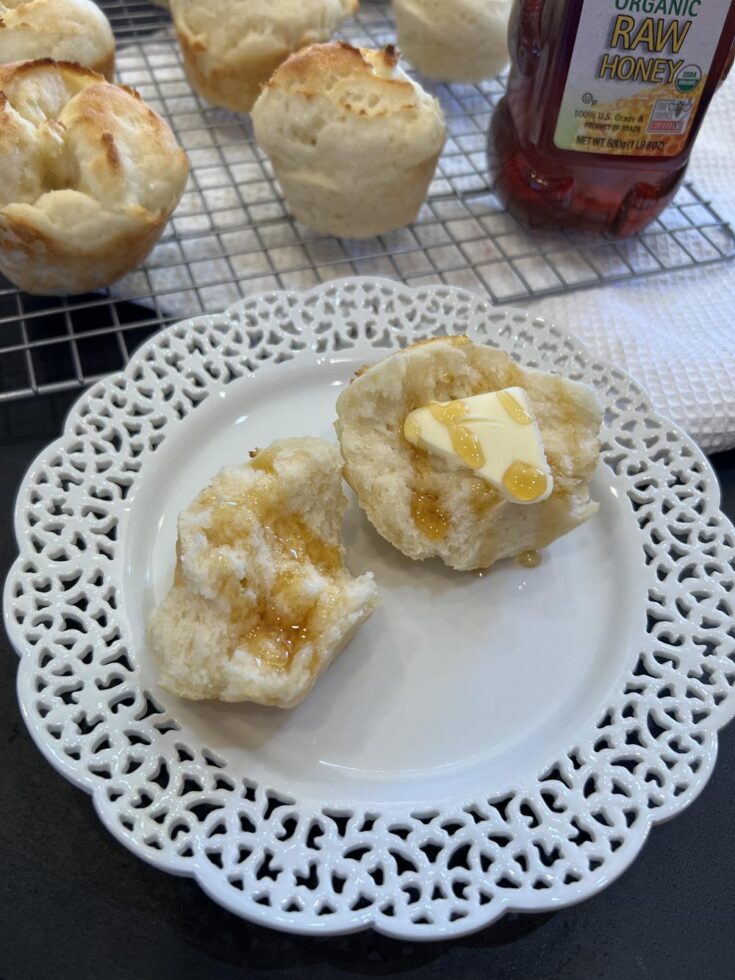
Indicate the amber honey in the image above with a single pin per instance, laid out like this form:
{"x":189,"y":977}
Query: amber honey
{"x":465,"y":443}
{"x":428,"y":515}
{"x":604,"y":101}
{"x":276,"y":628}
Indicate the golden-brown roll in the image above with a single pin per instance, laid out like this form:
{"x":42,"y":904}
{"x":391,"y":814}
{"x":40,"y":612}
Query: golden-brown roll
{"x":66,"y":30}
{"x":353,"y":141}
{"x":89,"y":176}
{"x":232,"y":47}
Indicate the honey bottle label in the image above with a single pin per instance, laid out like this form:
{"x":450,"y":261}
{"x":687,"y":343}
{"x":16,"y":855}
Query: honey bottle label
{"x":637,"y":73}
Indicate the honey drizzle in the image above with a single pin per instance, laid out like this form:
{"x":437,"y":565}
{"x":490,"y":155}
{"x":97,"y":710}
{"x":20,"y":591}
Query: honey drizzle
{"x":524,"y":482}
{"x":529,"y":559}
{"x":428,"y":516}
{"x":514,"y":408}
{"x":464,"y":442}
{"x":262,"y":459}
{"x":276,"y":626}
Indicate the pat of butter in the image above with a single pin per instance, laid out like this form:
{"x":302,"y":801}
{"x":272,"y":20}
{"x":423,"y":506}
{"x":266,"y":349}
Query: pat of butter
{"x":495,"y":434}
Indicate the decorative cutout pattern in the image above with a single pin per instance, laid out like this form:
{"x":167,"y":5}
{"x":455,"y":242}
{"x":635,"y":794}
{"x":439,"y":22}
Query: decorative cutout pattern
{"x":262,"y":854}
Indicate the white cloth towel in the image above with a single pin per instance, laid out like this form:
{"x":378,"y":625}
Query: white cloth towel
{"x":675,"y":333}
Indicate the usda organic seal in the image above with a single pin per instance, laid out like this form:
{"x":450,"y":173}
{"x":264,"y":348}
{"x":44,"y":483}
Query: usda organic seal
{"x":688,"y":78}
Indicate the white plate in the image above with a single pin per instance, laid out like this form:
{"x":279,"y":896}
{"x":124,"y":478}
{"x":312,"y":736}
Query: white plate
{"x":485,"y":743}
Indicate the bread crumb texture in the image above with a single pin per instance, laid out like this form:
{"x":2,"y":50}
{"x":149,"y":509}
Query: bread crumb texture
{"x":262,"y":602}
{"x":89,"y":176}
{"x":353,"y":140}
{"x":427,"y":507}
{"x":232,"y":47}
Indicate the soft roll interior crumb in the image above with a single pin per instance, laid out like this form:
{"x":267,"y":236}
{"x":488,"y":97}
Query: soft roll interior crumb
{"x":262,"y":602}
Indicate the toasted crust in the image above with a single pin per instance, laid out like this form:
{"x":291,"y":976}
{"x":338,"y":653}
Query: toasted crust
{"x":89,"y":175}
{"x":426,"y":507}
{"x":67,"y":30}
{"x":362,"y":81}
{"x":232,"y":47}
{"x":353,"y":141}
{"x":318,"y":70}
{"x":462,"y":41}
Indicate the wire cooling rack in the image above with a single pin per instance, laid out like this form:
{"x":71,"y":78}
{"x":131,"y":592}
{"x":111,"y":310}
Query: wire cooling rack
{"x":232,"y":234}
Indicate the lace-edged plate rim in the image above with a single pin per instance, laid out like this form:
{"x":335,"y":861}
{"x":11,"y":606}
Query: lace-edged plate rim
{"x":446,"y":870}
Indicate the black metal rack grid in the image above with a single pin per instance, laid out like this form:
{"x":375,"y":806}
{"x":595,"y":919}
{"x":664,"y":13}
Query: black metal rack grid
{"x":232,"y":235}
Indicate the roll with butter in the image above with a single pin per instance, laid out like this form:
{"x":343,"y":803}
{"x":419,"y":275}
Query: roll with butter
{"x":456,"y":452}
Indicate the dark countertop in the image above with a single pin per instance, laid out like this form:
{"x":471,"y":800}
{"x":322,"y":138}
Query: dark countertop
{"x":75,"y":904}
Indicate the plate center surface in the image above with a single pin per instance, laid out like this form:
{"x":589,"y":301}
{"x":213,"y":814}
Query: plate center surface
{"x":459,"y":683}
